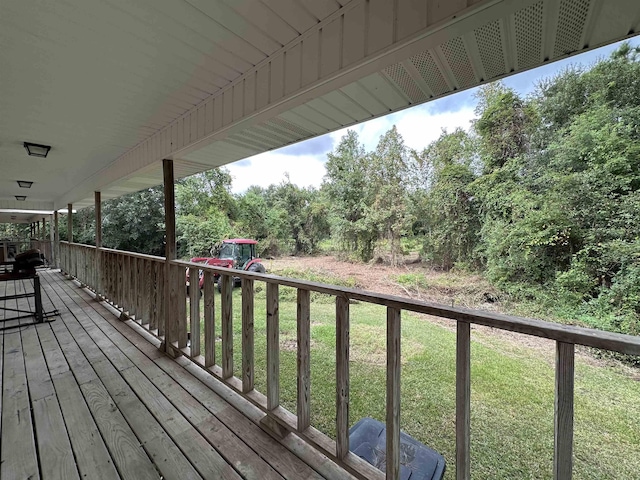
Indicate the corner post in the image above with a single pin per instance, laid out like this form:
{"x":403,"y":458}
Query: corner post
{"x":70,"y":223}
{"x":56,"y":240}
{"x":98,"y":257}
{"x":170,"y":249}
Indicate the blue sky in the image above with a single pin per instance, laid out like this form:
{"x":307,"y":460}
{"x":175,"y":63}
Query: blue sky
{"x":420,"y":125}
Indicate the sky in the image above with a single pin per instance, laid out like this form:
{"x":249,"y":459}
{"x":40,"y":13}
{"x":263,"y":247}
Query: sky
{"x":304,"y":162}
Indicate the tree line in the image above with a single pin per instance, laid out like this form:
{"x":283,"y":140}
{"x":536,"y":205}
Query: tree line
{"x":542,"y":195}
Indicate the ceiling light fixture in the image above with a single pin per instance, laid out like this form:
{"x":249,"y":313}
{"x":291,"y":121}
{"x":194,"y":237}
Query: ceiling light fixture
{"x":24,"y":183}
{"x":21,"y":198}
{"x":37,"y":150}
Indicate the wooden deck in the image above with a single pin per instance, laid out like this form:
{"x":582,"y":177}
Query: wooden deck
{"x":87,"y":396}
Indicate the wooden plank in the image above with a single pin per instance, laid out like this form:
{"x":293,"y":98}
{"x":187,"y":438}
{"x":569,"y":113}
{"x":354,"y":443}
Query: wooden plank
{"x":209,"y":321}
{"x":91,"y":454}
{"x":342,"y":377}
{"x":273,"y":346}
{"x":153,"y":295}
{"x":393,"y":393}
{"x":304,"y":360}
{"x":204,"y":457}
{"x":18,"y":456}
{"x":131,"y":460}
{"x":194,"y":311}
{"x":170,"y":461}
{"x":162,"y":295}
{"x":463,"y":401}
{"x":39,"y":381}
{"x":227,"y":326}
{"x":54,"y":449}
{"x":287,"y":464}
{"x":247,"y":335}
{"x":146,"y":292}
{"x":563,"y":416}
{"x":140,"y":281}
{"x":181,"y":301}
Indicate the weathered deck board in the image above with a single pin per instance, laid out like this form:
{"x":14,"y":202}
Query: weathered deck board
{"x":181,"y":425}
{"x":19,"y":458}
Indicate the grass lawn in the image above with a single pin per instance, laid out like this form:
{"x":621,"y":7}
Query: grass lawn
{"x":512,"y":391}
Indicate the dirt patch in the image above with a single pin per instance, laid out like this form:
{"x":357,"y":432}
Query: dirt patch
{"x":470,"y":291}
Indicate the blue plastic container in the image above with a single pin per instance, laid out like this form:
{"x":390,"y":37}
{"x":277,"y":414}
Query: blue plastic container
{"x":368,"y":439}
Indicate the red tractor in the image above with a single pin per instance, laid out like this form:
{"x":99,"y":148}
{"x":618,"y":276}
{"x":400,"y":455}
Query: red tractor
{"x":238,"y":253}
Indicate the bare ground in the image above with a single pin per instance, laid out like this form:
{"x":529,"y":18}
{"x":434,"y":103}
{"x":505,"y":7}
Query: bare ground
{"x":471,"y":291}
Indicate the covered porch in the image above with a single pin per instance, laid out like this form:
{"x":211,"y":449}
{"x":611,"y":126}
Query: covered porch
{"x":85,"y":395}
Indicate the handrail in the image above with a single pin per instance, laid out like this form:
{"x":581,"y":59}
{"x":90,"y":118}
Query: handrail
{"x":587,"y":337}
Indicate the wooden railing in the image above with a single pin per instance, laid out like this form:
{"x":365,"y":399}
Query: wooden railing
{"x":131,"y":282}
{"x":123,"y":277}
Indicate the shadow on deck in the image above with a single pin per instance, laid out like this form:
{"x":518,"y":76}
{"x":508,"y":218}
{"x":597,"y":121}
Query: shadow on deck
{"x":90,"y":396}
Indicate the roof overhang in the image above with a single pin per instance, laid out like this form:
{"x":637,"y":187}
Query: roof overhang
{"x":116,"y":87}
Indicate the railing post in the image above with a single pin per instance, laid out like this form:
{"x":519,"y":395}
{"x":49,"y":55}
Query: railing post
{"x":463,"y":401}
{"x":97,"y":200}
{"x":393,"y":393}
{"x":273,"y":346}
{"x":563,"y":424}
{"x":70,"y":223}
{"x":56,"y":237}
{"x":170,"y":246}
{"x":342,"y":377}
{"x":227,"y":325}
{"x":247,"y":335}
{"x":194,"y":311}
{"x":304,"y":364}
{"x":209,"y":321}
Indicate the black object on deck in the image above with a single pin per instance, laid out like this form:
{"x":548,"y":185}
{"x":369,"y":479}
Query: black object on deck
{"x":368,"y":439}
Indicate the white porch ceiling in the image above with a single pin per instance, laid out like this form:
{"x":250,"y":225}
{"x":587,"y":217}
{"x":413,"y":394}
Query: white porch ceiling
{"x":115,"y":86}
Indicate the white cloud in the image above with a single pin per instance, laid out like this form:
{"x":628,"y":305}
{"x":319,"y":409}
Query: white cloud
{"x":270,"y":168}
{"x":418,"y":126}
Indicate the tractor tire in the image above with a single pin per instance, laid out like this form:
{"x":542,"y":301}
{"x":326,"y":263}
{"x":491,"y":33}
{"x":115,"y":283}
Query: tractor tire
{"x":257,"y":268}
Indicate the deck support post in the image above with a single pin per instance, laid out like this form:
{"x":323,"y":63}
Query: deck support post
{"x":56,"y":240}
{"x":170,"y":249}
{"x":97,"y":268}
{"x":563,"y":418}
{"x":69,"y":236}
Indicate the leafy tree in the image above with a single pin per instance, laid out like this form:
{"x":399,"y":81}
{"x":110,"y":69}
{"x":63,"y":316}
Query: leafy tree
{"x":448,"y":212}
{"x":347,"y":186}
{"x":135,"y":222}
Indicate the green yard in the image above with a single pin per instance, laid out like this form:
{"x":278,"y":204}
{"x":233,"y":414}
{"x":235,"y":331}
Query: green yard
{"x":512,"y":391}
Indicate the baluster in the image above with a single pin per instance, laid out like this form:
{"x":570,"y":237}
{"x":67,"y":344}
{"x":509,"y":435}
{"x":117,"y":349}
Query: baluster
{"x":563,"y":417}
{"x":181,"y":288}
{"x":393,"y":393}
{"x":304,"y":365}
{"x":209,"y":321}
{"x":342,"y":377}
{"x":227,"y":326}
{"x":194,"y":311}
{"x":247,"y":335}
{"x":463,"y":401}
{"x":273,"y":346}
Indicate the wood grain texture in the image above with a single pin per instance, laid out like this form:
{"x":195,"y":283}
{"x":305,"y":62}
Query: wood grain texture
{"x":227,"y":326}
{"x":463,"y":401}
{"x":54,"y":449}
{"x":194,"y":311}
{"x":181,"y":301}
{"x":304,"y":360}
{"x":563,"y":412}
{"x":273,"y":346}
{"x":247,"y":335}
{"x":91,"y":454}
{"x":18,"y":456}
{"x":393,"y":393}
{"x":209,"y":321}
{"x":342,"y":377}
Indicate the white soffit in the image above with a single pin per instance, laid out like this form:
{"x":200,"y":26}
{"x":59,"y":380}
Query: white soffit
{"x":115,"y":86}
